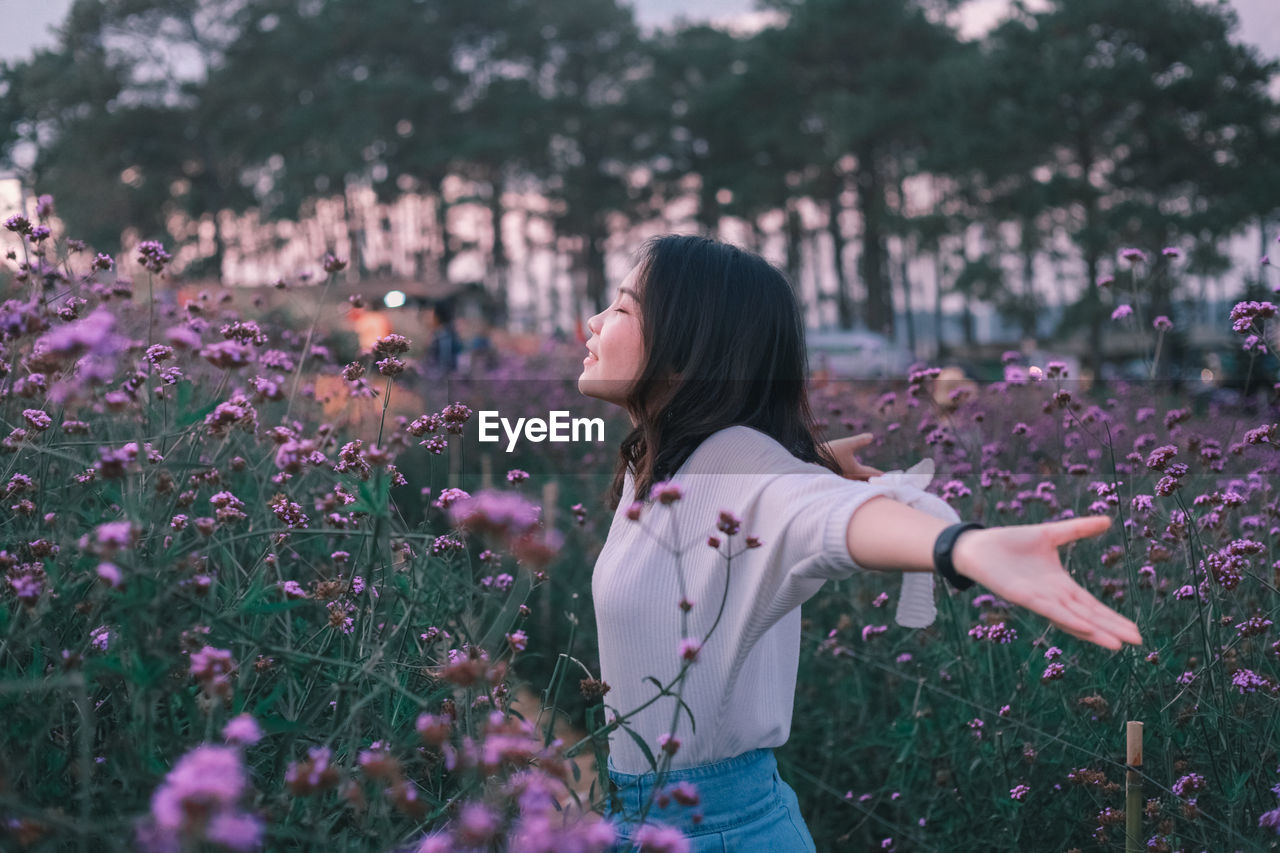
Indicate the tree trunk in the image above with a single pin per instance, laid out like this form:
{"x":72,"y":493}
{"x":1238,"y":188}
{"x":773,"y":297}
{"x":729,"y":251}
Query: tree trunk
{"x":1092,"y":361}
{"x":906,"y":297}
{"x":794,"y":241}
{"x":593,"y":260}
{"x":708,"y":216}
{"x":940,"y":347}
{"x":501,"y":261}
{"x":844,"y":304}
{"x":872,"y":266}
{"x":354,"y":234}
{"x":1027,"y":313}
{"x":441,"y":208}
{"x":967,"y":320}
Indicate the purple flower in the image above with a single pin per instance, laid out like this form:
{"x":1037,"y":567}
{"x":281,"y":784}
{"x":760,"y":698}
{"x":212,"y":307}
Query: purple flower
{"x":1171,"y":252}
{"x":656,"y":838}
{"x":728,"y":523}
{"x":689,"y":649}
{"x":502,"y":513}
{"x":685,"y":794}
{"x":235,"y":830}
{"x":151,"y":254}
{"x":1121,"y":312}
{"x":242,"y":729}
{"x":18,"y":224}
{"x":870,"y":631}
{"x":115,"y":535}
{"x":90,"y":334}
{"x":1253,"y":626}
{"x":666,"y":492}
{"x":1019,"y":792}
{"x":227,"y":354}
{"x":1162,"y":323}
{"x":1245,"y":314}
{"x":205,"y":782}
{"x":1188,"y":784}
{"x":449,"y":496}
{"x":183,"y":337}
{"x":109,"y":573}
{"x":1248,"y":681}
{"x":477,"y":825}
{"x":997,"y":633}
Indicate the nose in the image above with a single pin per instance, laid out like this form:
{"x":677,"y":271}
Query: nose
{"x":594,"y":323}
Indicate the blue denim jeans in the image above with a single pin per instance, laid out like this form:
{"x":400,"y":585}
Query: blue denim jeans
{"x":743,"y":803}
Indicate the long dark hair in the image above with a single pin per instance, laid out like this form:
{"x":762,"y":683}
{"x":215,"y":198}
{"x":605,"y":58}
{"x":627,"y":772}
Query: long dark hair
{"x":724,"y":345}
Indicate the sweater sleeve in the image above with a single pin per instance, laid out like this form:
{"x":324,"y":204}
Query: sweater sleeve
{"x":807,"y":509}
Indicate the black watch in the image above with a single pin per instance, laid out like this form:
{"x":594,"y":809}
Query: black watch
{"x":942,"y":553}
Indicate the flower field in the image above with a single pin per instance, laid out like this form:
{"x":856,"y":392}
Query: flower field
{"x":251,"y":601}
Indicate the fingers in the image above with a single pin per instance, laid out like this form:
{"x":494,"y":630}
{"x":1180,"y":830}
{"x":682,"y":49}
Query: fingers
{"x":1069,"y":530}
{"x":861,"y":440}
{"x":1089,"y":628}
{"x":1102,"y":615}
{"x":1083,"y":616}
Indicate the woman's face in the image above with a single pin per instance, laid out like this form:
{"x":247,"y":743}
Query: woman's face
{"x":615,"y":350}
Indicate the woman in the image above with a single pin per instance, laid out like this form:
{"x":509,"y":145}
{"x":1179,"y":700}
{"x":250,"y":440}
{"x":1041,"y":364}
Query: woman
{"x":704,"y":348}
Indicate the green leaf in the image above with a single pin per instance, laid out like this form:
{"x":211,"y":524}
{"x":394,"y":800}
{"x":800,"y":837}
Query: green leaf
{"x":273,"y":606}
{"x":644,"y":747}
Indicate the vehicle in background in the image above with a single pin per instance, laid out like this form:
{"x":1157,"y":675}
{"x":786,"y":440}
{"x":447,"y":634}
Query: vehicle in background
{"x":856,"y":354}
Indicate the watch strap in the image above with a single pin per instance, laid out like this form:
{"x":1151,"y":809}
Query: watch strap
{"x":942,"y":548}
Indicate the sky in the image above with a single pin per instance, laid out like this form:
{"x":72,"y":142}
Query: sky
{"x":27,"y":22}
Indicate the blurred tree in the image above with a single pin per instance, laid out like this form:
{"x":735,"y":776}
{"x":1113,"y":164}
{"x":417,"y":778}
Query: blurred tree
{"x":498,"y":137}
{"x":112,"y":117}
{"x":605,"y":122}
{"x":733,"y":111}
{"x":335,"y":94}
{"x":698,"y":69}
{"x":862,"y":71}
{"x":1136,"y":124}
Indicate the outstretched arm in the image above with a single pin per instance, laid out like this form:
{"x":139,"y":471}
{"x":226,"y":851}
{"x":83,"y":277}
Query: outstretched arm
{"x":1018,"y":563}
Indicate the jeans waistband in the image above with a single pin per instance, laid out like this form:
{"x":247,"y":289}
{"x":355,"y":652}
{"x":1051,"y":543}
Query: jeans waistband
{"x":730,"y":793}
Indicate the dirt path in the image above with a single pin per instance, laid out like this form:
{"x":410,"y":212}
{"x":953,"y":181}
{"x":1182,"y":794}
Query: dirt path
{"x":527,"y":703}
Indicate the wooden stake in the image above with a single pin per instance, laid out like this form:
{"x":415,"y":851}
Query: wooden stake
{"x":1133,"y":788}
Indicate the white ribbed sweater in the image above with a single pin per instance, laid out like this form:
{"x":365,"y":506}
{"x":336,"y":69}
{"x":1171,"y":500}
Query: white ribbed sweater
{"x":742,"y":686}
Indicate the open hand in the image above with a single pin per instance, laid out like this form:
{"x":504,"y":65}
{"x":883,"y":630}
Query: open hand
{"x":844,"y":450}
{"x":1020,"y":564}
